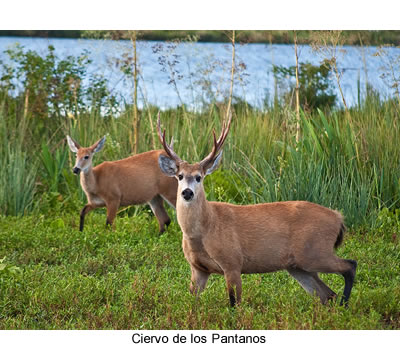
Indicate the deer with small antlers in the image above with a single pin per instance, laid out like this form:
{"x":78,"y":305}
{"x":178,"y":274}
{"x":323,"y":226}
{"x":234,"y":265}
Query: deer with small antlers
{"x":133,"y":180}
{"x":227,"y":239}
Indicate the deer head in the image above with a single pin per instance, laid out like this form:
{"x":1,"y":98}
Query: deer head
{"x":84,"y":155}
{"x":190,"y":176}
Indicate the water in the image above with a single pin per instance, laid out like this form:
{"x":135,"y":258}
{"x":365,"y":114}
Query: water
{"x":202,"y":70}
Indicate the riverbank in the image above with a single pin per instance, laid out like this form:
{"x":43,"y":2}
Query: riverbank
{"x":350,"y":37}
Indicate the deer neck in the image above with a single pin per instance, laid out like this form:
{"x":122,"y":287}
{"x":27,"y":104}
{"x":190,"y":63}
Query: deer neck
{"x":195,"y":217}
{"x":88,"y":180}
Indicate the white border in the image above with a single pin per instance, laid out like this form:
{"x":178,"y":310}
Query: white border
{"x":207,"y":15}
{"x":309,"y":340}
{"x":204,"y":14}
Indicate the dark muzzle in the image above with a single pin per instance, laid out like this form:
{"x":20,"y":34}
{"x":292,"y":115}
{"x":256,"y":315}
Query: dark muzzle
{"x":187,"y":194}
{"x":76,"y":170}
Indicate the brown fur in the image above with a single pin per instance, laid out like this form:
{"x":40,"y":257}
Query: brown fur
{"x":339,"y":240}
{"x":133,"y":180}
{"x":228,"y":239}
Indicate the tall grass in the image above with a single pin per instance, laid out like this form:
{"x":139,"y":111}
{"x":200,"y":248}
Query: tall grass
{"x":349,"y":162}
{"x":18,"y":168}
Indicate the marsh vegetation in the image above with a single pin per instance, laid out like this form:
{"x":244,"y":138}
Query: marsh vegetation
{"x":54,"y":277}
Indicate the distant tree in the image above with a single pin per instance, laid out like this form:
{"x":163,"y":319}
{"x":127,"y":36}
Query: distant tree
{"x":50,"y":85}
{"x":314,"y":88}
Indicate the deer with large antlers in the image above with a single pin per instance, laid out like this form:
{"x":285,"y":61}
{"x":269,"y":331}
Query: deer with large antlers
{"x":228,"y":239}
{"x":133,"y":180}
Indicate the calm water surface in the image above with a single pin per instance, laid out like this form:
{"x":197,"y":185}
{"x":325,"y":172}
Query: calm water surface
{"x":198,"y":64}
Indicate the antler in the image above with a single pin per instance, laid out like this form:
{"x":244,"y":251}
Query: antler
{"x":167,"y":148}
{"x":217,"y":143}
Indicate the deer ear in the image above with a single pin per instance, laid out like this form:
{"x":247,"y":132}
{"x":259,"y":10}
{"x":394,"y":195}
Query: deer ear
{"x":167,"y":166}
{"x":215,"y":165}
{"x":73,"y":145}
{"x":97,"y":147}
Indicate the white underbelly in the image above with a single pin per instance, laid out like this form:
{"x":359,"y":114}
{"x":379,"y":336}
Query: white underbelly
{"x":96,"y":200}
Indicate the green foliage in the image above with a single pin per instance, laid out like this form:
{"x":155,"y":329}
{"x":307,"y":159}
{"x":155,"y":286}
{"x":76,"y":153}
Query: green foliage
{"x":53,"y":87}
{"x":132,"y":278}
{"x":53,"y":165}
{"x":315,"y":89}
{"x":342,"y":161}
{"x":18,"y":169}
{"x":17,"y":183}
{"x":388,"y":222}
{"x":335,"y":164}
{"x":224,"y":186}
{"x":99,"y":98}
{"x":8,"y":271}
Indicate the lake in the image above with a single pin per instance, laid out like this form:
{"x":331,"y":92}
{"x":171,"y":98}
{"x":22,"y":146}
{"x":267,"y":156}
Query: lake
{"x":202,"y":70}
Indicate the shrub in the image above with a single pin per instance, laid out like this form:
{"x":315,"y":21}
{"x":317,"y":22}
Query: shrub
{"x":314,"y":85}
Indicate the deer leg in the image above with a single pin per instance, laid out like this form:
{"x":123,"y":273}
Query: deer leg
{"x":348,"y":282}
{"x":312,"y":284}
{"x":334,"y":264}
{"x":157,"y":206}
{"x":112,"y":208}
{"x":86,"y":209}
{"x":198,"y":280}
{"x":234,"y":281}
{"x":325,"y":290}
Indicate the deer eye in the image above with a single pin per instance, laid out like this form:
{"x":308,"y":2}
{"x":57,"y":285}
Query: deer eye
{"x":198,"y":178}
{"x":86,"y":157}
{"x":180,"y":177}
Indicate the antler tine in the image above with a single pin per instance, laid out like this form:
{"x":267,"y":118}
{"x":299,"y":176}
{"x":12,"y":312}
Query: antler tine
{"x":224,"y":133}
{"x":167,"y":148}
{"x":218,"y":143}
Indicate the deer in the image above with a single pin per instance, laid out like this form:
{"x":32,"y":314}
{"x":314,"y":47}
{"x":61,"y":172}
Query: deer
{"x":230,"y":240}
{"x":129,"y":181}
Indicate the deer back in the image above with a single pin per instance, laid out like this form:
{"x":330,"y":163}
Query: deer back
{"x":136,"y":179}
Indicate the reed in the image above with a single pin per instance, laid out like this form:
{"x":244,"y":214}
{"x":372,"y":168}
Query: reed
{"x":344,"y":160}
{"x":18,"y":169}
{"x":347,"y":160}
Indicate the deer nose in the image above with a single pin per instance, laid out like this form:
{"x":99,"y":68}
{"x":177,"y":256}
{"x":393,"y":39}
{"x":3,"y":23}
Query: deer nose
{"x":187,"y":194}
{"x":76,"y":170}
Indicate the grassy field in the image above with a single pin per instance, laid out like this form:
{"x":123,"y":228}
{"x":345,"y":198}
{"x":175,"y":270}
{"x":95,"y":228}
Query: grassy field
{"x":55,"y":277}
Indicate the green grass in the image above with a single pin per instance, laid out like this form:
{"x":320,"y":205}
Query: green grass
{"x":55,"y":277}
{"x":18,"y":168}
{"x":346,"y":161}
